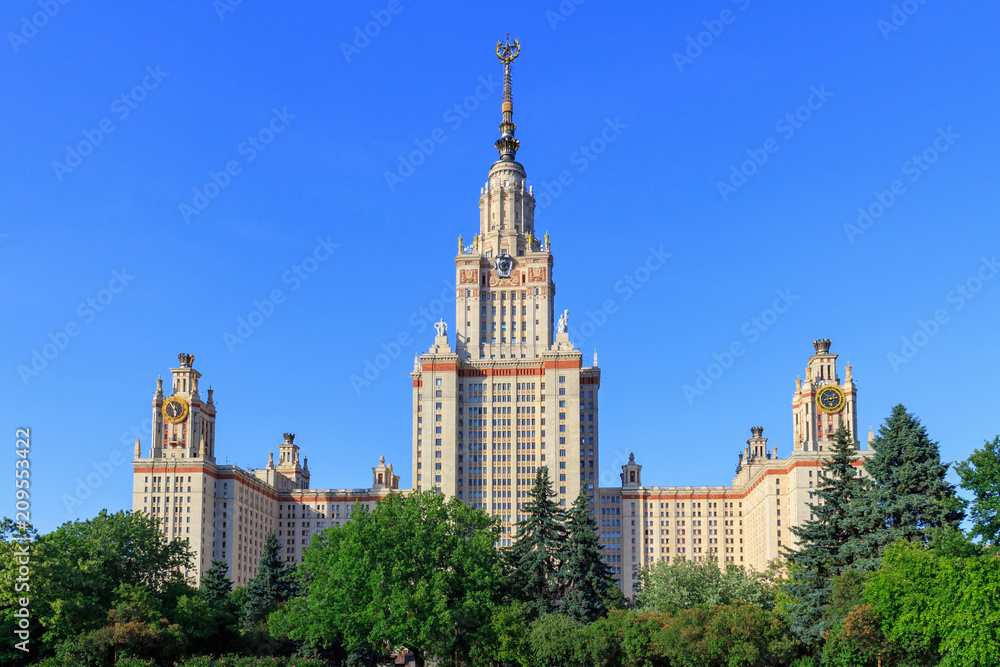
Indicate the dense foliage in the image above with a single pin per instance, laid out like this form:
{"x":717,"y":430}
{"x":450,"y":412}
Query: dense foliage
{"x":883,"y":576}
{"x":417,"y":571}
{"x":981,"y":475}
{"x":669,"y":587}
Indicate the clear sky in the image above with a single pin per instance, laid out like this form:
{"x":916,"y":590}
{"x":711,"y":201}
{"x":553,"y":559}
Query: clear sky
{"x":166,"y":170}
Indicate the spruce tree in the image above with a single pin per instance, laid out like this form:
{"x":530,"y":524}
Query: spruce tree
{"x":269,"y":587}
{"x":824,"y":540}
{"x":534,"y":557}
{"x":216,"y":585}
{"x":583,"y":576}
{"x":909,"y":493}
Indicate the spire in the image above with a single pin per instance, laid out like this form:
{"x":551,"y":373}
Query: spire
{"x":507,"y":145}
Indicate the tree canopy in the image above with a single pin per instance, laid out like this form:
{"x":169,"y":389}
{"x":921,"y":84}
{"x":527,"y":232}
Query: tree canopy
{"x":980,"y":473}
{"x":419,"y":572}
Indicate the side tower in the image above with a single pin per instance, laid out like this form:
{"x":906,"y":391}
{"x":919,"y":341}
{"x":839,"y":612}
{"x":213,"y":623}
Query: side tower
{"x":175,"y":481}
{"x":183,"y":423}
{"x":512,"y":394}
{"x":822,"y":401}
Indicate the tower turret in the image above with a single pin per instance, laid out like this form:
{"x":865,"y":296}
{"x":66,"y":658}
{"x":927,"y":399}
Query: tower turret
{"x":822,"y":400}
{"x":288,"y":462}
{"x":183,"y":424}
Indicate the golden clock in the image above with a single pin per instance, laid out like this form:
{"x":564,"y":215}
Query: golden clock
{"x":175,"y":409}
{"x":831,"y":399}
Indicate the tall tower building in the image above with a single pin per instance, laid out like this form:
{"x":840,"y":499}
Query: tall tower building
{"x":513,"y":393}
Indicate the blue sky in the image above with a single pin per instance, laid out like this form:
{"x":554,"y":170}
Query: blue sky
{"x":207,"y":153}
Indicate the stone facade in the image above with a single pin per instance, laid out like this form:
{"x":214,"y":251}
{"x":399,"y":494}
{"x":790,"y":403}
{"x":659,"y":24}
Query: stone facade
{"x":506,"y":394}
{"x":747,"y":523}
{"x":224,"y":511}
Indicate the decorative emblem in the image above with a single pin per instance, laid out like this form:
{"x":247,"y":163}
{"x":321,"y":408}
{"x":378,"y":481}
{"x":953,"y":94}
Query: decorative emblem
{"x":508,"y":52}
{"x":468,"y":276}
{"x":831,"y":399}
{"x":504,"y":263}
{"x":536,"y":275}
{"x":175,"y":410}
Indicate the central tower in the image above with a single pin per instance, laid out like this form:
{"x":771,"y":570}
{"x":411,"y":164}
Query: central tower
{"x":504,"y":279}
{"x":512,"y":394}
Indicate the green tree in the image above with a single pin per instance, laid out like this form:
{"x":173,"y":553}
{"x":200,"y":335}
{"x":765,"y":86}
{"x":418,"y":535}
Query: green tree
{"x":83,"y":567}
{"x":584,"y":577}
{"x":683,"y":584}
{"x":909,"y":492}
{"x":215,"y":583}
{"x":504,"y":641}
{"x":855,"y":637}
{"x":556,"y":640}
{"x":939,"y":599}
{"x":825,"y":542}
{"x":269,"y":587}
{"x":980,"y":473}
{"x":119,"y":638}
{"x":724,"y":636}
{"x":534,"y":556}
{"x":420,"y":572}
{"x":211,"y":618}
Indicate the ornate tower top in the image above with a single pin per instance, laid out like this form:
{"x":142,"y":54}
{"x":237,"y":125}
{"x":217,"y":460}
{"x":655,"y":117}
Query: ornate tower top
{"x":289,"y":438}
{"x":757,"y":431}
{"x":822,"y":345}
{"x":185,"y":359}
{"x":507,"y":145}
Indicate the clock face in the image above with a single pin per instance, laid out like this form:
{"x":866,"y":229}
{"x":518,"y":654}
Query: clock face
{"x":175,"y":410}
{"x":504,"y":264}
{"x":831,"y":399}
